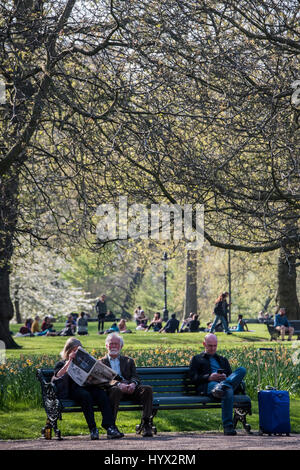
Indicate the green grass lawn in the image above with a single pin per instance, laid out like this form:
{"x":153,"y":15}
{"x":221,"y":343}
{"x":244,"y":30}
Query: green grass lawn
{"x":137,"y":340}
{"x":22,"y":416}
{"x":27,"y":424}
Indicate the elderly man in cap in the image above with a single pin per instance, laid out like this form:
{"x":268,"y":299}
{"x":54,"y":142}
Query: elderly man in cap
{"x":213,"y":376}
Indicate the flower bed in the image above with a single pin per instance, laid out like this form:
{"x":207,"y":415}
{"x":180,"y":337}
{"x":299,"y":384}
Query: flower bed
{"x":20,"y":388}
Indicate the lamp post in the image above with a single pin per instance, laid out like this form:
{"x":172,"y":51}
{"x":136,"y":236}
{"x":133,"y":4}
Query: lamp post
{"x":229,"y":285}
{"x":165,"y":310}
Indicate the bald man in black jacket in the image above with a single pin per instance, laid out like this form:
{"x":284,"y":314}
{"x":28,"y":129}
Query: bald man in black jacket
{"x":212,"y":375}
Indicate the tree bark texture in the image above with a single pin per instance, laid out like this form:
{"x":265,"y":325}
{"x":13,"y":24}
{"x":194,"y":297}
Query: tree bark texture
{"x":8,"y":221}
{"x":132,"y":288}
{"x":287,"y":289}
{"x":191,"y":304}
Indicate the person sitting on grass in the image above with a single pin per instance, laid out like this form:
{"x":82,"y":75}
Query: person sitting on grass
{"x":123,"y":327}
{"x":171,"y":326}
{"x":194,"y":324}
{"x":142,"y":319}
{"x":35,"y":328}
{"x":25,"y":330}
{"x":156,"y":323}
{"x":82,"y":324}
{"x":110,"y":316}
{"x":241,"y":325}
{"x":185,"y":324}
{"x":113,"y":329}
{"x":47,"y":325}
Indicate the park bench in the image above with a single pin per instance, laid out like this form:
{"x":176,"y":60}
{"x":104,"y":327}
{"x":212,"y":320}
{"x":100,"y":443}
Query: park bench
{"x":172,"y":390}
{"x":274,"y":334}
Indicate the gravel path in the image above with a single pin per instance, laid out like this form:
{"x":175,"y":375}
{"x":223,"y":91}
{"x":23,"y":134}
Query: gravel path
{"x":168,"y":442}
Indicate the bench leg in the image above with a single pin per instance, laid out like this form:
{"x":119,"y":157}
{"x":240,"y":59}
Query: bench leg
{"x":154,"y":430}
{"x":47,"y":430}
{"x":57,"y":432}
{"x":139,"y":427}
{"x":275,"y":337}
{"x":241,"y":415}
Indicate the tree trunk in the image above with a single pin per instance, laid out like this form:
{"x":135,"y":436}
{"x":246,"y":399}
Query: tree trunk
{"x":267,"y":303}
{"x":6,"y":310}
{"x":8,"y":221}
{"x":191,"y":304}
{"x":229,"y":286}
{"x":287,"y":290}
{"x":134,"y":284}
{"x":17,"y":305}
{"x":287,"y":274}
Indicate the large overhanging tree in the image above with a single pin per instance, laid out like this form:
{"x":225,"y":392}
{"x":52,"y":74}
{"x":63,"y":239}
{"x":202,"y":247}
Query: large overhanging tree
{"x":220,"y":124}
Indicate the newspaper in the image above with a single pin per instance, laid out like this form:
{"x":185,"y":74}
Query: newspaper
{"x":84,"y":369}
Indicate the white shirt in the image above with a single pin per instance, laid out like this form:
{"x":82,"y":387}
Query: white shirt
{"x":115,"y":365}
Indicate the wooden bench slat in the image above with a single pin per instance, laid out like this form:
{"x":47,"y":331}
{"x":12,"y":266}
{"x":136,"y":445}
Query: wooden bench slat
{"x":180,"y":388}
{"x":165,"y":377}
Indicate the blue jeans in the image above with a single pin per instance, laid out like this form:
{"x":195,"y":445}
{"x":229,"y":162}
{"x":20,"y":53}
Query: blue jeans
{"x":232,"y":381}
{"x":216,"y":320}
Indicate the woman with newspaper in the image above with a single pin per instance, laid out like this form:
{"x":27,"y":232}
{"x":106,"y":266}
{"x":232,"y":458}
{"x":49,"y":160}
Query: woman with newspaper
{"x":86,"y":395}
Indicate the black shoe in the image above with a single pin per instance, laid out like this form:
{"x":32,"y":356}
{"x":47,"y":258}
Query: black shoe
{"x":94,"y":434}
{"x":147,"y":429}
{"x":229,"y":432}
{"x":219,"y":390}
{"x":114,"y":433}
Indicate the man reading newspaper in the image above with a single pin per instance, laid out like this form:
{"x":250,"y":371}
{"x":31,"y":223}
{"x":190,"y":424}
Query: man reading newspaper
{"x":85,"y":369}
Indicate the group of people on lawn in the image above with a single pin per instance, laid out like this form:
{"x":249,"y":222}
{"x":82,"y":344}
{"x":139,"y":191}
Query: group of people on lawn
{"x":32,"y":327}
{"x":191,"y":324}
{"x":80,"y":326}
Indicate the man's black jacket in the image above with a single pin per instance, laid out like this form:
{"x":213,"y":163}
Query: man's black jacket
{"x":200,"y":370}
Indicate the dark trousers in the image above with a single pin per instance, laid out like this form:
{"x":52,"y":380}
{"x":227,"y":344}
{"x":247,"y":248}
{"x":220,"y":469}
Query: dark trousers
{"x":143,"y":395}
{"x":100,"y":324}
{"x":89,"y":396}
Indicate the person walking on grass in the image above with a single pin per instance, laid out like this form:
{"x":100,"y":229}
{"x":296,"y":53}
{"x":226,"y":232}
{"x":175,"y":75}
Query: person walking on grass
{"x":101,"y":310}
{"x":220,"y":312}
